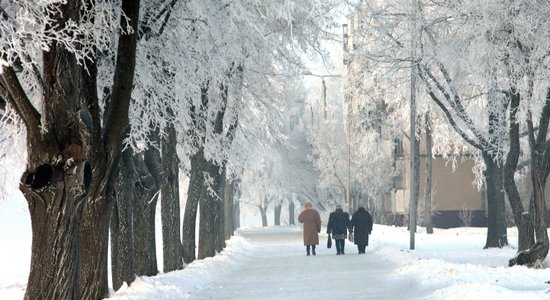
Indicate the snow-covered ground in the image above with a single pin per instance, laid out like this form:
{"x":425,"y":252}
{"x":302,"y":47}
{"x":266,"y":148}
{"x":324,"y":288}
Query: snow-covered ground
{"x":270,"y":263}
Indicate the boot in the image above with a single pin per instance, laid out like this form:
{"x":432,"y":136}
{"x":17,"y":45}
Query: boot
{"x":313,"y":249}
{"x":307,"y":249}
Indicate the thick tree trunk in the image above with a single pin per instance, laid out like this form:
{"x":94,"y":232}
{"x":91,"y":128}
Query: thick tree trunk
{"x":58,"y":171}
{"x":170,"y":204}
{"x":220,"y":233}
{"x":277,"y":215}
{"x":146,"y":196}
{"x":209,"y":214}
{"x":55,"y":198}
{"x":229,"y":226}
{"x":540,"y":168}
{"x":95,"y":226}
{"x":69,"y":162}
{"x":237,"y":213}
{"x":496,"y":227}
{"x":291,"y":212}
{"x":541,"y":231}
{"x":122,"y":228}
{"x":237,"y":204}
{"x":94,"y":245}
{"x":194,"y":194}
{"x":521,"y":218}
{"x":220,"y":212}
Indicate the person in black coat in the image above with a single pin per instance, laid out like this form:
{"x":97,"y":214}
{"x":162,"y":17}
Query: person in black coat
{"x":338,"y":225}
{"x":361,"y":225}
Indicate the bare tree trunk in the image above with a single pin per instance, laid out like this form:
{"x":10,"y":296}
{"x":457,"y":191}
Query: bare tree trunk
{"x":521,"y":218}
{"x":291,"y":212}
{"x":237,"y":213}
{"x":263,"y":213}
{"x":95,"y":225}
{"x":539,"y":174}
{"x":170,"y":204}
{"x":122,"y":233}
{"x":54,"y":260}
{"x":93,"y":249}
{"x":208,"y":222}
{"x":146,"y":194}
{"x":70,"y":162}
{"x":228,"y":195}
{"x":496,"y":227}
{"x":58,"y":171}
{"x":220,"y":212}
{"x":194,"y":194}
{"x":428,"y":186}
{"x":277,"y":214}
{"x":496,"y":231}
{"x":541,"y":231}
{"x":237,"y":204}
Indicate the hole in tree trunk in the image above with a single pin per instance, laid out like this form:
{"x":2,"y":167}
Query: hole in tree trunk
{"x":41,"y":177}
{"x":87,"y":180}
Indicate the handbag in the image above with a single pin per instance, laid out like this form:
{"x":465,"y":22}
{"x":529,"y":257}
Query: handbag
{"x":350,"y":237}
{"x":329,"y":241}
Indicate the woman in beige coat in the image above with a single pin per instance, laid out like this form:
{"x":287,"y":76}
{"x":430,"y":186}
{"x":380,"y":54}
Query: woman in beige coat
{"x":312,"y":226}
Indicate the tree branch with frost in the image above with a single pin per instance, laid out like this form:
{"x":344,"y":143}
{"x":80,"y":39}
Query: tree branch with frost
{"x":20,"y":101}
{"x":447,"y":112}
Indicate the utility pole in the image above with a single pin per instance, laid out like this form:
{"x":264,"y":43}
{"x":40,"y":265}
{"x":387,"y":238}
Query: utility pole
{"x":325,"y":119}
{"x":352,"y":207}
{"x":413,"y":200}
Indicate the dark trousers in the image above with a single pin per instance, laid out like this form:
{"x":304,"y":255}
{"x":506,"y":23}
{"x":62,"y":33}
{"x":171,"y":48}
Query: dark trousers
{"x":340,"y":244}
{"x":361,"y":248}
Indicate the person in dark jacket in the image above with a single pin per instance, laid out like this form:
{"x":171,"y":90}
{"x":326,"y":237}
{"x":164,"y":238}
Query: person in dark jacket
{"x":338,"y":225}
{"x":361,"y":225}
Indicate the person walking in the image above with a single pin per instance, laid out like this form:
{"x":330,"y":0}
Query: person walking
{"x":361,"y":225}
{"x":312,"y":226}
{"x":338,"y":225}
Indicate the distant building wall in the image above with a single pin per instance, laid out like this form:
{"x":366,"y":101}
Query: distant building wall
{"x":451,"y":189}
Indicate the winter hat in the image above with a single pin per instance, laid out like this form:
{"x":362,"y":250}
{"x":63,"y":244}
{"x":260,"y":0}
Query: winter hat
{"x":338,"y":206}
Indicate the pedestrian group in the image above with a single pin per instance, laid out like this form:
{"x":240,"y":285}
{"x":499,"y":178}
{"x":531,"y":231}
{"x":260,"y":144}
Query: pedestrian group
{"x":339,"y":225}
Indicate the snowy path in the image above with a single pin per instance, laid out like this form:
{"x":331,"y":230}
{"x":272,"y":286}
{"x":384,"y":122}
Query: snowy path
{"x":270,"y":263}
{"x":277,"y":268}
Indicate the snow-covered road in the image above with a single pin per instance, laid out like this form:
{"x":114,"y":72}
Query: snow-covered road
{"x":276,"y":267}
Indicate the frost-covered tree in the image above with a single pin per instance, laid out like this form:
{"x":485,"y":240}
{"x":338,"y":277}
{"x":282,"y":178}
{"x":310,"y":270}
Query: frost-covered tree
{"x":507,"y":79}
{"x":199,"y":67}
{"x":228,"y":52}
{"x":286,"y":172}
{"x":49,"y":80}
{"x":483,"y":67}
{"x":386,"y":44}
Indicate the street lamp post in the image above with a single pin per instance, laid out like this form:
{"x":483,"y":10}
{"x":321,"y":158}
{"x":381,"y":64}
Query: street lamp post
{"x":324,"y":100}
{"x":324,"y":89}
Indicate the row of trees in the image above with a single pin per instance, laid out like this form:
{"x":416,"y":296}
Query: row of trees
{"x":482,"y":73}
{"x":114,"y":98}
